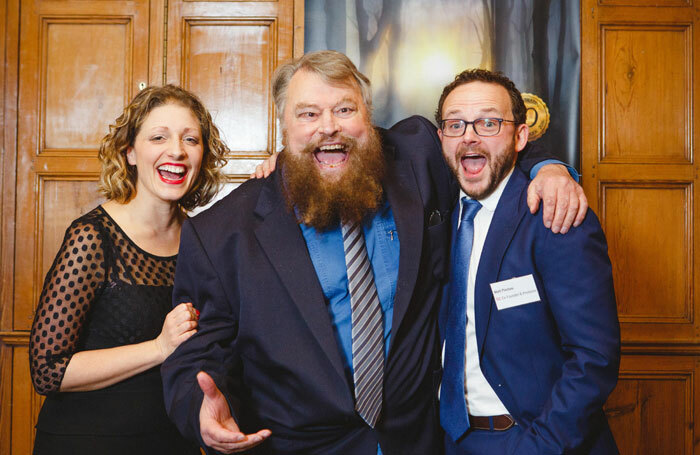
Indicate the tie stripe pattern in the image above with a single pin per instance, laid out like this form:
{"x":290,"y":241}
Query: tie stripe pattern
{"x":367,"y":326}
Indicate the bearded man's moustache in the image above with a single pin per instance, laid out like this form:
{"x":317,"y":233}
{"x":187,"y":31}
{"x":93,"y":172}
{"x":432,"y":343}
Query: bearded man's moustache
{"x":322,"y":203}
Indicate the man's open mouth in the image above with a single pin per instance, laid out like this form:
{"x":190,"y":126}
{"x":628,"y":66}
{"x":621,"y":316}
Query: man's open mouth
{"x":473,"y":163}
{"x":172,"y":173}
{"x":332,"y":155}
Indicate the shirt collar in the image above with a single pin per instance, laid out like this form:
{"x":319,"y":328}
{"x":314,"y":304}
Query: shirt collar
{"x":490,"y":202}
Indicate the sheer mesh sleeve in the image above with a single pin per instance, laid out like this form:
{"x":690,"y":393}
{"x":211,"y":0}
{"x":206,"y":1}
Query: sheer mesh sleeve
{"x":76,"y":277}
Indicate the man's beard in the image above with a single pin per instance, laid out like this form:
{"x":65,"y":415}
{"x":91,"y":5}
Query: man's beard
{"x":322,"y":202}
{"x":499,"y":166}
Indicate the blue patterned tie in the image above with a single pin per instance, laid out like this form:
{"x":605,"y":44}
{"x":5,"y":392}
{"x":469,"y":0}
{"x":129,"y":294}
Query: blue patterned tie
{"x":453,"y":406}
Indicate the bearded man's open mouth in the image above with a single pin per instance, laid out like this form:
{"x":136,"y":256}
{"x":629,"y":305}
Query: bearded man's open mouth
{"x":331,"y":155}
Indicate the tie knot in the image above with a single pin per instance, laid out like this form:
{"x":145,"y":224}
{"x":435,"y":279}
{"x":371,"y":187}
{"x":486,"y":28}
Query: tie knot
{"x":469,"y":208}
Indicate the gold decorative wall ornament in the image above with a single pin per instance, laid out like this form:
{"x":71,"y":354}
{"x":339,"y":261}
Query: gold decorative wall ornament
{"x":537,"y":115}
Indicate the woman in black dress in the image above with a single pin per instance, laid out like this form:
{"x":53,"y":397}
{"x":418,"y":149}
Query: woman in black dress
{"x":105,"y":321}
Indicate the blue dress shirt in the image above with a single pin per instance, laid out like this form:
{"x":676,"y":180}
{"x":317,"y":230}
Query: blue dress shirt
{"x":328,"y":257}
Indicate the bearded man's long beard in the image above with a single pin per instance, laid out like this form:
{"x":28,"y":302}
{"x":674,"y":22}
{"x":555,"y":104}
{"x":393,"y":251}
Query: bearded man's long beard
{"x":322,"y":203}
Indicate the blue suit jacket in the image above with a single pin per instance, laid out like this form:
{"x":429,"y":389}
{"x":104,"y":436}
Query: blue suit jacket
{"x":552,"y":363}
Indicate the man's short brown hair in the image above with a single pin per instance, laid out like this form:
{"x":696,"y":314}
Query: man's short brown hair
{"x":493,"y":77}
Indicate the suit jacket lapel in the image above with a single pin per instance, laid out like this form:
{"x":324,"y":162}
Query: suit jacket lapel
{"x":402,"y":193}
{"x":283,"y":243}
{"x":445,"y":307}
{"x":506,"y":218}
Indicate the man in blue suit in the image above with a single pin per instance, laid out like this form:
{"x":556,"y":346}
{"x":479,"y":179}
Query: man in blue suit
{"x":528,"y":321}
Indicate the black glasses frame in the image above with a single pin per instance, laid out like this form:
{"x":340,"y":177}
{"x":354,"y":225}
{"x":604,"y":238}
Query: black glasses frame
{"x":475,"y":124}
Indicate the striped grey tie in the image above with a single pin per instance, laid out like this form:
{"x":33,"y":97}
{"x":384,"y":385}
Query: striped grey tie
{"x":367,"y":327}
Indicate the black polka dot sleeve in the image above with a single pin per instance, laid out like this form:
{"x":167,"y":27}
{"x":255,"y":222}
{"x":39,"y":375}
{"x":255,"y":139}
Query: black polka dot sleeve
{"x":75,"y":279}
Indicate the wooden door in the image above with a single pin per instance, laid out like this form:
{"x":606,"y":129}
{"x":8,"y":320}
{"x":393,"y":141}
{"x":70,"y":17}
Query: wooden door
{"x":70,"y":67}
{"x":80,"y":62}
{"x":640,"y":174}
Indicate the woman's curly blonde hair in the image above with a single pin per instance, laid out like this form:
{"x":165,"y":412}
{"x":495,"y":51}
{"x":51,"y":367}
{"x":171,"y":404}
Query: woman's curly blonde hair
{"x":118,"y":178}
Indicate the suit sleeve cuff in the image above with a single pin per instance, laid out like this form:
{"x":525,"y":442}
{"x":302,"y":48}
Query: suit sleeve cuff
{"x":536,"y":168}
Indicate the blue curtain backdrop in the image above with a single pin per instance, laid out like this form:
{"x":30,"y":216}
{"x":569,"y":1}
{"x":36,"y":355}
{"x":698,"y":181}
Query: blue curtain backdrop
{"x":411,"y":48}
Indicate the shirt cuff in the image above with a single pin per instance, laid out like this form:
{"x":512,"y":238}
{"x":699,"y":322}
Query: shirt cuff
{"x":536,"y":168}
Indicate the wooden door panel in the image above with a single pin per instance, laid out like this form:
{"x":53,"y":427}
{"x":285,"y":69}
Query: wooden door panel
{"x":647,"y":80}
{"x":27,"y":402}
{"x":85,"y":80}
{"x":651,"y":409}
{"x":241,"y":53}
{"x":647,"y":228}
{"x":81,"y":62}
{"x":225,"y":52}
{"x":63,"y":199}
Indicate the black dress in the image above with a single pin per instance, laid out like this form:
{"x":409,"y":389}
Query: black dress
{"x":102,"y":291}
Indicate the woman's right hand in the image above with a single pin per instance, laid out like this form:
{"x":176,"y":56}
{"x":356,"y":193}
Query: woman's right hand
{"x":179,"y":325}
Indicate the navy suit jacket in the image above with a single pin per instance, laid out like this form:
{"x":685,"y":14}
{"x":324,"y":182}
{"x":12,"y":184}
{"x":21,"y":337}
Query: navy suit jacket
{"x":265,"y":332}
{"x":552,"y":363}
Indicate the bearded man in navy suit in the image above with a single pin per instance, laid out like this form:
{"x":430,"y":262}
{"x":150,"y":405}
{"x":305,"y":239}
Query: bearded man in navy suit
{"x":529,"y":320}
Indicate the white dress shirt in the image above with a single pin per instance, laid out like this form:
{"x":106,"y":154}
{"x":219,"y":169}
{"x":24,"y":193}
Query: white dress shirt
{"x":481,"y":398}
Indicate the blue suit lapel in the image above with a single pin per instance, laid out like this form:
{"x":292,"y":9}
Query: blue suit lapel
{"x":505,"y":222}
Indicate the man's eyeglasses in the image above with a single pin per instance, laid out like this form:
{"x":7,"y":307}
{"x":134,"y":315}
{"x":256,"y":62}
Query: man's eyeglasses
{"x":482,"y":126}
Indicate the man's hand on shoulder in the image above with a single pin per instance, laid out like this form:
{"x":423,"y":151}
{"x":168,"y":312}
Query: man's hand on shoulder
{"x":563,"y":200}
{"x":218,"y":428}
{"x":264,"y":169}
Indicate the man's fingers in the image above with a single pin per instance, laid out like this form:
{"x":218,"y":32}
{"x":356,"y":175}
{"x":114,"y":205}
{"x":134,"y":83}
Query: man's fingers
{"x":571,"y":212}
{"x":548,"y":207}
{"x":582,"y":207}
{"x":533,"y":198}
{"x":562,"y":206}
{"x":248,"y":442}
{"x":217,"y":434}
{"x":208,"y":386}
{"x":264,"y":169}
{"x":260,"y":171}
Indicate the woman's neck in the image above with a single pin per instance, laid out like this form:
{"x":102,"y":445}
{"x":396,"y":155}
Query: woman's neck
{"x":153,"y":225}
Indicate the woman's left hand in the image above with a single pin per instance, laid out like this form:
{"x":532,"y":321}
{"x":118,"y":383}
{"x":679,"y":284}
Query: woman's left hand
{"x":179,"y":325}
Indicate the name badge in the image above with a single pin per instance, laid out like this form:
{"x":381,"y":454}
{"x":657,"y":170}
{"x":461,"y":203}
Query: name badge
{"x":515,"y":291}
